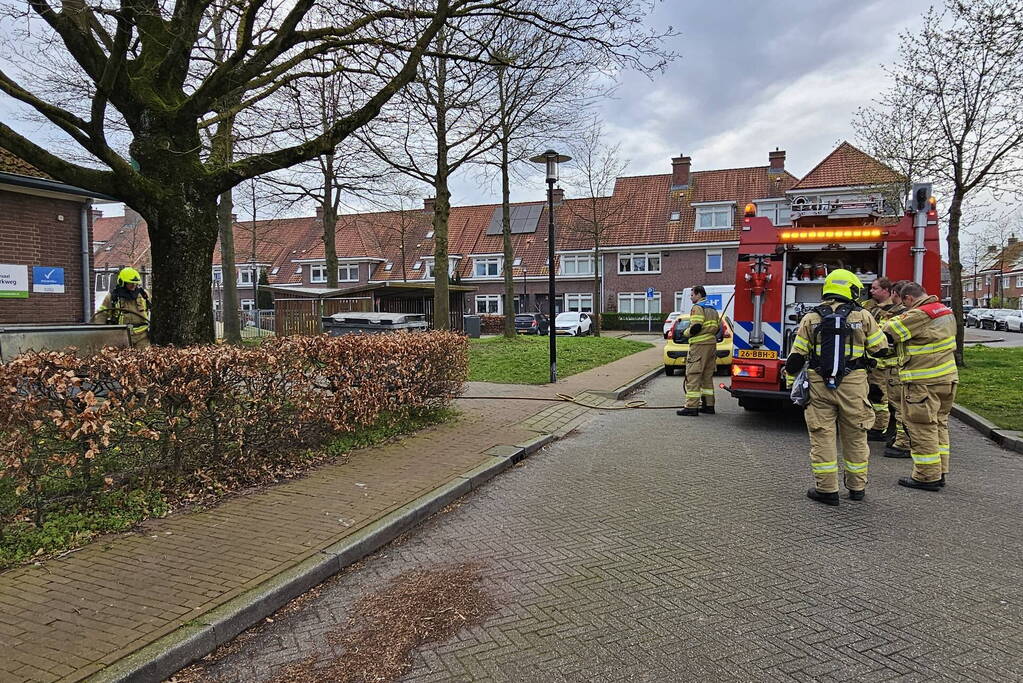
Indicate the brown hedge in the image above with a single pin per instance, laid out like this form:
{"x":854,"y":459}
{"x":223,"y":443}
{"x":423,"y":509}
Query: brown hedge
{"x":203,"y":419}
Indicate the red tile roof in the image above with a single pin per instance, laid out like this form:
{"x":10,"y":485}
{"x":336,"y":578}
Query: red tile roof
{"x":125,"y":242}
{"x":847,"y":166}
{"x":9,"y":163}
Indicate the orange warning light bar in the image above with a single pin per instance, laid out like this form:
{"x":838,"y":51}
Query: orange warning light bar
{"x":832,"y":235}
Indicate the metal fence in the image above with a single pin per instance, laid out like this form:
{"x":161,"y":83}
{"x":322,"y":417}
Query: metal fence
{"x":253,"y":324}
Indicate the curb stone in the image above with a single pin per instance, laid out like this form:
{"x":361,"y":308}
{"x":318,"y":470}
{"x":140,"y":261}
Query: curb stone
{"x":195,"y":639}
{"x":1006,"y":438}
{"x":626,"y":389}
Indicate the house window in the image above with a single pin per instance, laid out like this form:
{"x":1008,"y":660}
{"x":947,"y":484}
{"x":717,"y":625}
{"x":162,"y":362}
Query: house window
{"x":577,"y":264}
{"x":388,"y":266}
{"x":216,"y":304}
{"x":429,"y":269}
{"x":639,"y":263}
{"x":429,"y":234}
{"x":987,"y":280}
{"x":579,"y":302}
{"x":318,"y":273}
{"x":638,"y":302}
{"x":245,"y":276}
{"x":1019,"y":280}
{"x":968,"y":286}
{"x":778,"y":213}
{"x":348,"y":272}
{"x":680,"y":298}
{"x":248,"y":304}
{"x":517,"y":262}
{"x":486,"y":267}
{"x":488,"y":303}
{"x":276,"y":270}
{"x":675,"y":215}
{"x":102,"y":282}
{"x":218,"y":275}
{"x":713,"y":261}
{"x":715,"y":217}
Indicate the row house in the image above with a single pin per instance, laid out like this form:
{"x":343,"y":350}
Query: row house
{"x":658,"y":235}
{"x":997,"y":278}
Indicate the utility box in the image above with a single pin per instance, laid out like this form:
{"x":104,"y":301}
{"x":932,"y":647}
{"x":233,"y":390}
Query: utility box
{"x":473,"y":325}
{"x":17,"y":339}
{"x":372,"y":323}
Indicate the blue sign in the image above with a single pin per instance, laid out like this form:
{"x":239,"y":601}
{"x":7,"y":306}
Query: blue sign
{"x":716,"y":300}
{"x":650,"y":292}
{"x":47,"y":279}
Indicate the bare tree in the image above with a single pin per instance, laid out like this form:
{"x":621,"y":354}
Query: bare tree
{"x":395,"y":226}
{"x":594,"y":171}
{"x":960,"y":77}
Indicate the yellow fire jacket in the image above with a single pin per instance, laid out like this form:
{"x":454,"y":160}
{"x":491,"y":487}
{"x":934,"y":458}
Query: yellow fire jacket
{"x":707,"y":316}
{"x":927,"y":332}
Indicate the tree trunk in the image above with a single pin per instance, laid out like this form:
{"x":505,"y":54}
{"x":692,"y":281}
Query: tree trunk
{"x":441,"y":212}
{"x":329,"y":221}
{"x":596,"y":285}
{"x":229,"y":275}
{"x":955,"y":269}
{"x":509,"y":256}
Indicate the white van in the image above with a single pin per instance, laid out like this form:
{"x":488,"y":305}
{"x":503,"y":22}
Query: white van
{"x":722,"y":297}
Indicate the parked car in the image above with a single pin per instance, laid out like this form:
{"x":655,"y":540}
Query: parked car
{"x":532,"y":323}
{"x":573,"y":323}
{"x":675,"y":352}
{"x":1014,"y":322}
{"x":973,"y":317}
{"x":669,"y":321}
{"x":995,"y":318}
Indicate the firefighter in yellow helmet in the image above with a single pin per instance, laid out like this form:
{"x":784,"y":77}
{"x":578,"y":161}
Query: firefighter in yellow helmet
{"x":929,"y":379}
{"x":883,"y":307}
{"x":833,"y":340}
{"x":128,"y":304}
{"x":701,"y":358}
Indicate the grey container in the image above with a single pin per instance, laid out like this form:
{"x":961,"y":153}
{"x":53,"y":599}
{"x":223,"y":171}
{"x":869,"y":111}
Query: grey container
{"x":472,"y":324}
{"x":17,"y":339}
{"x":372,"y":323}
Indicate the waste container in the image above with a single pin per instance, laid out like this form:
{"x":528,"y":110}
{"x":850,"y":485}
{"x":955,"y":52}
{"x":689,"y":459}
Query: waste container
{"x":371,"y":323}
{"x":17,"y":339}
{"x":472,"y":325}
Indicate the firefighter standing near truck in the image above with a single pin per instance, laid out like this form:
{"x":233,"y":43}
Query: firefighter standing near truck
{"x":929,"y":380}
{"x":898,"y":446}
{"x":128,"y":304}
{"x":832,"y":340}
{"x":877,"y":376}
{"x":701,"y":357}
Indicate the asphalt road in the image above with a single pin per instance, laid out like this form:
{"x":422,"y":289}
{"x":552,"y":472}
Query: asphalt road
{"x":992,"y":338}
{"x":652,"y":547}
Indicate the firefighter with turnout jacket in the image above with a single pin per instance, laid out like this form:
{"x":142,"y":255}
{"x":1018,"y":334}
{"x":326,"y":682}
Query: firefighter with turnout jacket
{"x":898,"y":446}
{"x":929,"y":376}
{"x":833,"y":340}
{"x":128,"y":304}
{"x":701,"y":358}
{"x":882,"y":306}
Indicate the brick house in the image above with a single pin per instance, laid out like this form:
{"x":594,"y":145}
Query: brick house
{"x":669,"y":231}
{"x":996,"y":278}
{"x":45,"y":233}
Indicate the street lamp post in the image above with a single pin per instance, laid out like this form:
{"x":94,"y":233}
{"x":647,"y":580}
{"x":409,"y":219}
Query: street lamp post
{"x":550,"y":159}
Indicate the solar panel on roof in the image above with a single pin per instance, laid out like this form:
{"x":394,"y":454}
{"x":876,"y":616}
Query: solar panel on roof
{"x":523,"y":219}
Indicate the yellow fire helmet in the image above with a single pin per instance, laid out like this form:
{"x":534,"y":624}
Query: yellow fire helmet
{"x":844,"y":283}
{"x":128,"y":276}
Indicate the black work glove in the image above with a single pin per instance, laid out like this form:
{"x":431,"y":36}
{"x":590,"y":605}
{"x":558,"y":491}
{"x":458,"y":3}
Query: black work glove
{"x":695,"y":329}
{"x":794,"y":363}
{"x":891,"y":340}
{"x":874,"y":394}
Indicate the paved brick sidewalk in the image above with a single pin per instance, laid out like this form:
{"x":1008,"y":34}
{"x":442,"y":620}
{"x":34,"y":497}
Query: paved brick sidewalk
{"x":71,"y":617}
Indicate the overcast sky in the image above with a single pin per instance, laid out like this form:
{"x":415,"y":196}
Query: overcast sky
{"x":751,"y":76}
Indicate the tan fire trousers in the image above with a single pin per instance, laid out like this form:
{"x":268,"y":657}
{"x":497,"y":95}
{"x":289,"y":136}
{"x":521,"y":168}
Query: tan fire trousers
{"x":879,"y":377}
{"x":841,"y":413}
{"x":895,"y":402}
{"x":925,"y":411}
{"x":700,"y":363}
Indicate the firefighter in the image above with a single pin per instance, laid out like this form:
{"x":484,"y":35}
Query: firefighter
{"x":128,"y":304}
{"x":929,"y":379}
{"x":877,"y":376}
{"x":833,"y":340}
{"x":700,"y":359}
{"x":897,"y":446}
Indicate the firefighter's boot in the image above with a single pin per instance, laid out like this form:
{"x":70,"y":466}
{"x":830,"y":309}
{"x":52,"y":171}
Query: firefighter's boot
{"x":704,"y":408}
{"x":822,"y":497}
{"x":893,"y":452}
{"x":911,"y":483}
{"x":876,"y":435}
{"x":688,"y":412}
{"x":857,"y":495}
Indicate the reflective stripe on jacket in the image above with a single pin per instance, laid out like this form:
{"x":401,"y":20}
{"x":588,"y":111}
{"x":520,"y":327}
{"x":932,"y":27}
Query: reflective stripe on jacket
{"x":866,"y":335}
{"x":707,"y":316}
{"x":927,"y":334}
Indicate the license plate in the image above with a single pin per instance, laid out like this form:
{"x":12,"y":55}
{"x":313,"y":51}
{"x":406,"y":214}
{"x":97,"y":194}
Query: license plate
{"x":761,"y":354}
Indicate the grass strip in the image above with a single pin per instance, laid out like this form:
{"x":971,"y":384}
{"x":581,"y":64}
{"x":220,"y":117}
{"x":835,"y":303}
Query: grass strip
{"x":525,"y":360}
{"x":991,"y":384}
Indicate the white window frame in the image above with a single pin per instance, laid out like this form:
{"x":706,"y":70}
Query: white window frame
{"x":103,"y":281}
{"x":489,"y":301}
{"x":487,"y":263}
{"x":680,"y":298}
{"x":428,"y":272}
{"x":580,"y":303}
{"x":706,"y":260}
{"x":778,"y":212}
{"x":244,"y":273}
{"x":1019,"y":280}
{"x":650,"y":305}
{"x":675,"y":215}
{"x":216,"y":304}
{"x":318,"y":273}
{"x":218,"y":275}
{"x":247,"y":304}
{"x":345,"y":271}
{"x":630,"y":260}
{"x":576,"y":264}
{"x":718,"y":211}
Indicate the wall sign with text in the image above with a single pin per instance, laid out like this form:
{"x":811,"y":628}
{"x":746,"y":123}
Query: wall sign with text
{"x":48,"y":279}
{"x":13,"y":281}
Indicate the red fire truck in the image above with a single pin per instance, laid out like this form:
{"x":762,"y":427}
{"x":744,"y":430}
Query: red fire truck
{"x":781,"y":271}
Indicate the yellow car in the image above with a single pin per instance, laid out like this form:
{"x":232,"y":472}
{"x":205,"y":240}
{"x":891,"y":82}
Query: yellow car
{"x":675,"y":354}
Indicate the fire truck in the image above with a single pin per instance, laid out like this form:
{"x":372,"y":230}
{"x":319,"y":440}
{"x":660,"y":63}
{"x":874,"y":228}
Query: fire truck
{"x":781,"y":270}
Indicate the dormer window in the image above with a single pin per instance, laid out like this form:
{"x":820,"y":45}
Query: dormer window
{"x":675,"y":215}
{"x":489,"y":266}
{"x":714,"y":215}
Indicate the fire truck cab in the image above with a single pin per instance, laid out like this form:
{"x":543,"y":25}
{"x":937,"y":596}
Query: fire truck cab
{"x":781,"y":270}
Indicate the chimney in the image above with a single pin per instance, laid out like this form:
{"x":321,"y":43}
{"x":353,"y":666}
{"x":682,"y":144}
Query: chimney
{"x":559,"y":196}
{"x":680,"y":172}
{"x":991,"y":249}
{"x":428,"y":204}
{"x":96,"y":213}
{"x":319,"y":212}
{"x":1012,"y":240}
{"x":234,"y":218}
{"x":777,"y":160}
